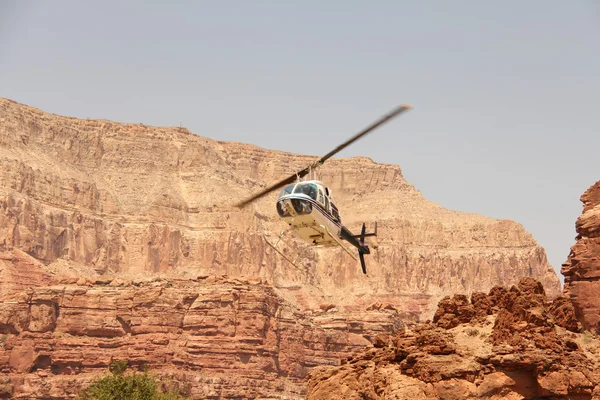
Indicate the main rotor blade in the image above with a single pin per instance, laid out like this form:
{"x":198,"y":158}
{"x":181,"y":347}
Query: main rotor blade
{"x":320,"y":161}
{"x":362,"y":133}
{"x":279,"y":184}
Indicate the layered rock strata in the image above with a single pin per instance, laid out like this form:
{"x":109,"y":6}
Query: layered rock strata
{"x":582,"y":269}
{"x":19,"y":271}
{"x":507,"y":344}
{"x":132,"y":200}
{"x":215,"y":337}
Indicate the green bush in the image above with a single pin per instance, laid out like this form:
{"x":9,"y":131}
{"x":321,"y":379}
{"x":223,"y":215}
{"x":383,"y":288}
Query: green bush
{"x":121,"y":386}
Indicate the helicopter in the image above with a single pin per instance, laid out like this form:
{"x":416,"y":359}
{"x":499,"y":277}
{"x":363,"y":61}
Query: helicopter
{"x":307,"y":205}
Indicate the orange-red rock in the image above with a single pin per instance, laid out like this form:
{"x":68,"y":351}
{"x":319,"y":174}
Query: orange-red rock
{"x":563,"y":313}
{"x":453,"y":311}
{"x":518,"y":353}
{"x":19,"y":271}
{"x":582,"y":269}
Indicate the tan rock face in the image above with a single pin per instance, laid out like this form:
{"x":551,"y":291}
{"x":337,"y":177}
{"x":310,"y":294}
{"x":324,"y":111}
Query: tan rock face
{"x":582,"y":269}
{"x":134,"y":200}
{"x":219,"y":337}
{"x":517,"y":351}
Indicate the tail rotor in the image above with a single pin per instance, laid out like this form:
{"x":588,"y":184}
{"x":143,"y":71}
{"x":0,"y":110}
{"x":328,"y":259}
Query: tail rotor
{"x":364,"y":249}
{"x":358,"y":241}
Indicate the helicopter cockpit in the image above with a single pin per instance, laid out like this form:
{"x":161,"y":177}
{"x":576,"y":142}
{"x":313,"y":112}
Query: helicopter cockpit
{"x":309,"y":189}
{"x":314,"y":191}
{"x":299,"y":203}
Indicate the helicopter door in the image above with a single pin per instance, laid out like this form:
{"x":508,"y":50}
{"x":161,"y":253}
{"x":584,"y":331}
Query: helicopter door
{"x":321,"y":198}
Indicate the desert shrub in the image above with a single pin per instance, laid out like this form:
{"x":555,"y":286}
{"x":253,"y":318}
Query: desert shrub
{"x":473,"y":332}
{"x":122,"y":386}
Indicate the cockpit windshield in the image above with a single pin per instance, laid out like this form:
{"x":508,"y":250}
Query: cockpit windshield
{"x":287,"y":190}
{"x":309,"y":189}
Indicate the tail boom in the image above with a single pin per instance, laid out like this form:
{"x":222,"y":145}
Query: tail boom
{"x":358,"y":241}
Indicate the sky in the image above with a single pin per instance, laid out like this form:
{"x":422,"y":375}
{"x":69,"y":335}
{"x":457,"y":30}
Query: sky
{"x":506,"y":95}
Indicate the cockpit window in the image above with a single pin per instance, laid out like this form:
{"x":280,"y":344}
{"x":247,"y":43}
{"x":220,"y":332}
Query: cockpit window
{"x":309,"y":189}
{"x":287,"y":190}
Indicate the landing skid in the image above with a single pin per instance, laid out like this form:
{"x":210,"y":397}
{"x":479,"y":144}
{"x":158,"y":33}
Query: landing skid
{"x":274,"y":246}
{"x":309,"y":272}
{"x":300,"y":267}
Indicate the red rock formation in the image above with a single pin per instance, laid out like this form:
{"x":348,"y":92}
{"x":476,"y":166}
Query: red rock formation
{"x":518,"y":353}
{"x":228,"y":338}
{"x":20,"y":271}
{"x":582,"y":269}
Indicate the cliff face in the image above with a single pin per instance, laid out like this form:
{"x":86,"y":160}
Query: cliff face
{"x":582,"y":269}
{"x":131,"y":200}
{"x":507,"y":344}
{"x":216,"y":337}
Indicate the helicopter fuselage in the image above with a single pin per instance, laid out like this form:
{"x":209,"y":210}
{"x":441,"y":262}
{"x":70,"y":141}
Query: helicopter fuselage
{"x":308,"y":210}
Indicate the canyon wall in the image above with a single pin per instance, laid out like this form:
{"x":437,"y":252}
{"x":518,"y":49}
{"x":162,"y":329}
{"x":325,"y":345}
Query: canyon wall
{"x":582,"y":269}
{"x":131,"y":200}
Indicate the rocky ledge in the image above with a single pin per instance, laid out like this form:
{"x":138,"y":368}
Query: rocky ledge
{"x":214,"y":336}
{"x":507,"y":344}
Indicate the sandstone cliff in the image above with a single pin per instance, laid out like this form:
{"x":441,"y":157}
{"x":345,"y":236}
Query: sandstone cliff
{"x":131,"y":200}
{"x":582,"y":269}
{"x":215,"y":337}
{"x":508,"y":344}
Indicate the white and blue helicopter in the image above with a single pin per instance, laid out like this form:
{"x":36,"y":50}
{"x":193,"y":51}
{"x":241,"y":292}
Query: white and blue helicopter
{"x":307,"y":205}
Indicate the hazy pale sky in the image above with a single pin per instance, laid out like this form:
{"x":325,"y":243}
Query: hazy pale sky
{"x":506,"y":94}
